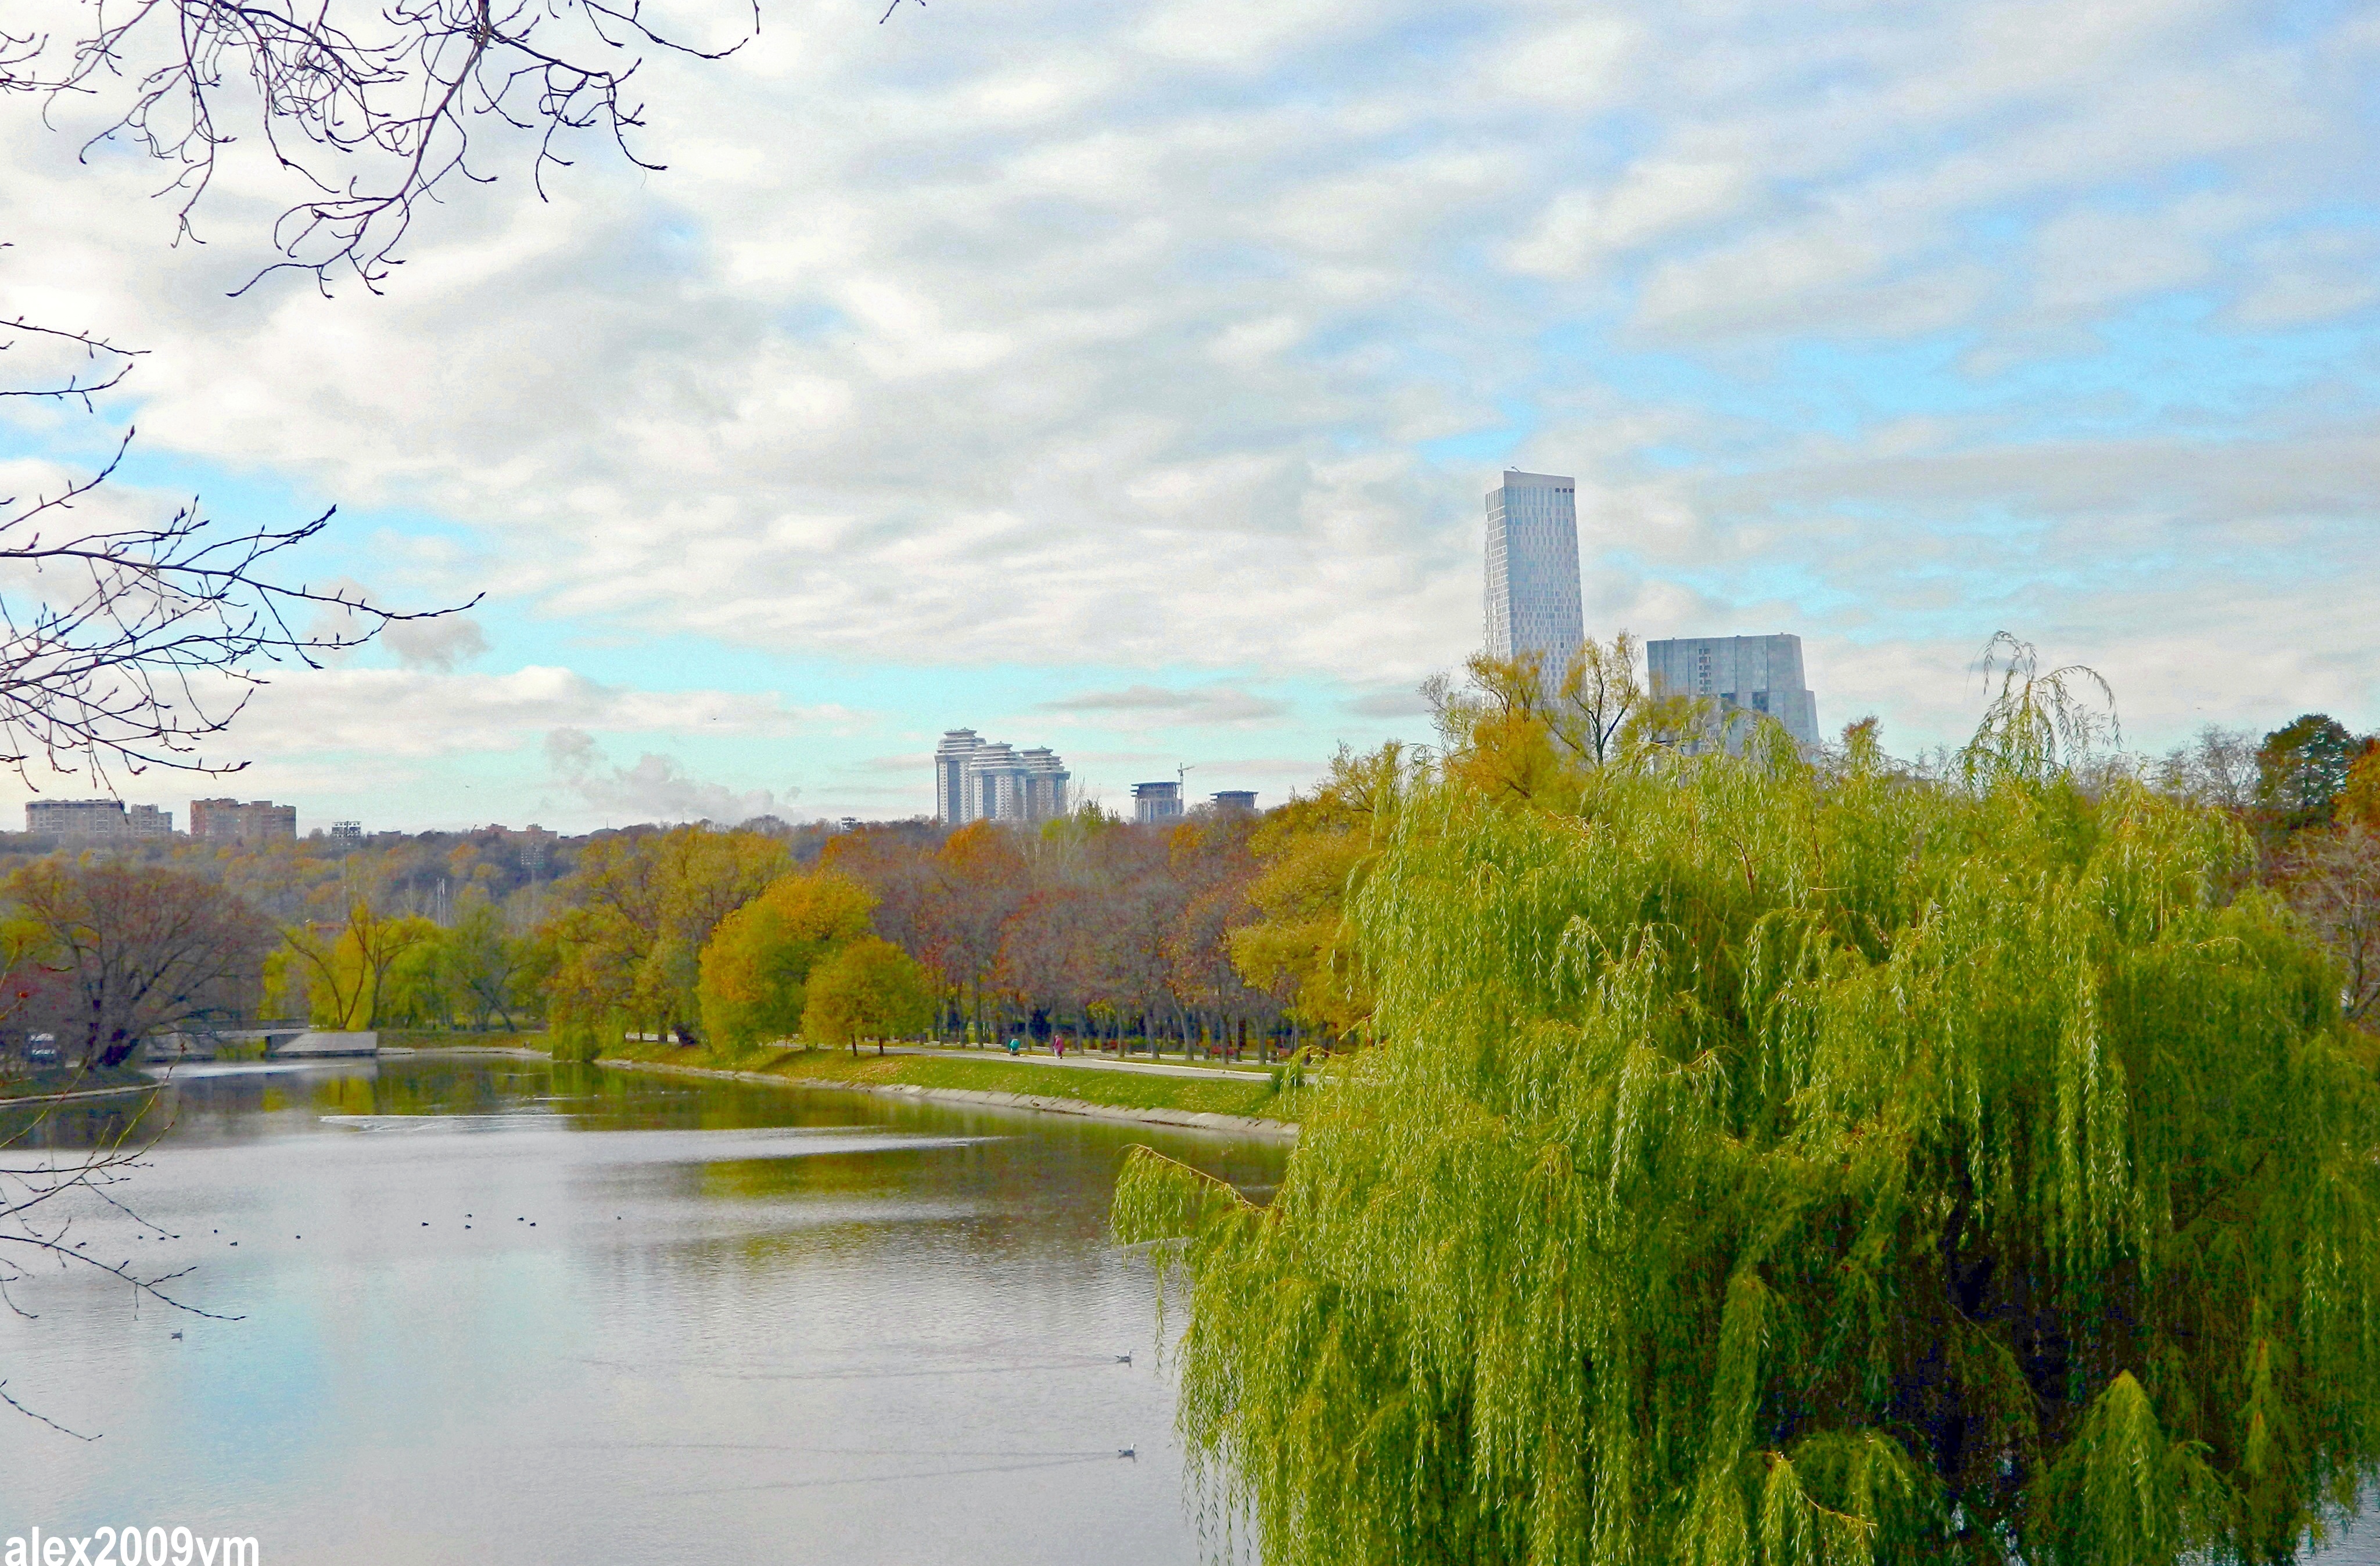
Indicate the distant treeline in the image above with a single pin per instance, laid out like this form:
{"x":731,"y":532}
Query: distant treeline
{"x":1227,"y":927}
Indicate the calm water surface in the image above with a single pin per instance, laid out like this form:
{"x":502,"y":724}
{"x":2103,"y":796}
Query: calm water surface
{"x":490,"y":1310}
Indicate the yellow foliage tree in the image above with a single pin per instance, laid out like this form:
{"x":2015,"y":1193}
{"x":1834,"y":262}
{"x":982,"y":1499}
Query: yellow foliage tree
{"x":634,"y":916}
{"x":755,"y":969}
{"x":869,"y":988}
{"x":346,"y":973}
{"x":1315,"y":851}
{"x":2359,"y":803}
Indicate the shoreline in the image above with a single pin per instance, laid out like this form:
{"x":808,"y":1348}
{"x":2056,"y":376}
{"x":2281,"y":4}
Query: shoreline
{"x":116,"y":1092}
{"x":1178,"y":1120}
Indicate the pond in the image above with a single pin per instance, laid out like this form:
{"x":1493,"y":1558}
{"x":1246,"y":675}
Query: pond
{"x":488,"y":1309}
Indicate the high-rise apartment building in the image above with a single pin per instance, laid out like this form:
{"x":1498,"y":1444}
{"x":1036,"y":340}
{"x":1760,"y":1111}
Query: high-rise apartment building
{"x":1153,"y":802}
{"x":980,"y":780}
{"x":1740,"y":674}
{"x":228,"y":820}
{"x":1234,"y":799}
{"x":1044,"y":783}
{"x":97,"y":819}
{"x":950,"y":775}
{"x":1533,"y":594}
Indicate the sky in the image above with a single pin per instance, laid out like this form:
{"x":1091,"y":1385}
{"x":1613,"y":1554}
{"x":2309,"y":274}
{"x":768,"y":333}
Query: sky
{"x":1126,"y":378}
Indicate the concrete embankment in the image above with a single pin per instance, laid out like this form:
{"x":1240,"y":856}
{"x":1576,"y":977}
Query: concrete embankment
{"x":1182,"y":1120}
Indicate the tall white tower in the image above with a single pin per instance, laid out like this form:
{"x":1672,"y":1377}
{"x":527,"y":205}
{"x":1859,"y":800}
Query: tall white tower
{"x":1532,"y":600}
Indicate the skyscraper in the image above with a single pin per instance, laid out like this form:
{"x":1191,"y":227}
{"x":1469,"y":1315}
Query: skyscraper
{"x":950,"y":775}
{"x":980,"y":780}
{"x":1531,"y":598}
{"x":1741,"y":674}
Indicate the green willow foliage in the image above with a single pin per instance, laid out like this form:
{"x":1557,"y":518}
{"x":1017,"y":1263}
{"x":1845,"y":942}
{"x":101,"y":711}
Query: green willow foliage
{"x":1780,"y":1165}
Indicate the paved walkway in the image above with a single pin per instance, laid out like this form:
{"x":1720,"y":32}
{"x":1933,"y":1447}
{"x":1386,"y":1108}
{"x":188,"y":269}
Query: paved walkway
{"x":1086,"y":1063}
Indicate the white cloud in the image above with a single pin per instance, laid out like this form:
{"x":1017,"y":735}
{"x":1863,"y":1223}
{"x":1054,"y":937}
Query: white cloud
{"x":416,"y":714}
{"x":439,"y":646}
{"x":1073,"y":334}
{"x":1581,"y":230}
{"x":655,"y":789}
{"x":1151,"y":706}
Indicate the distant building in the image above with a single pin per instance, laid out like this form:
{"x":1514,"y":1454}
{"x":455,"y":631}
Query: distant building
{"x":1757,"y":674}
{"x":951,"y":760}
{"x":228,"y":820}
{"x":1235,"y":799}
{"x":1532,"y":590}
{"x":980,"y":780}
{"x":96,"y":819}
{"x":1156,"y":802}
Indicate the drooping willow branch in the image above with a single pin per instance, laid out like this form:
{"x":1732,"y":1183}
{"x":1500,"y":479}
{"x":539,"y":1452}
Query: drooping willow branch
{"x":373,"y":109}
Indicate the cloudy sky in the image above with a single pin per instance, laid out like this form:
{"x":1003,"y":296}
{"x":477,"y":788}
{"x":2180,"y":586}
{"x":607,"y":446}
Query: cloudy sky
{"x":1127,"y":377}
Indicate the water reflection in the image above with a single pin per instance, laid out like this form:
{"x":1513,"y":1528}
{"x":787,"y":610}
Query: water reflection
{"x":494,"y":1310}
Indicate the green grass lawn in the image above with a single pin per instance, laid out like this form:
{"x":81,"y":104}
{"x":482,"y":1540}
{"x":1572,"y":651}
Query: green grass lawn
{"x":1233,"y":1094}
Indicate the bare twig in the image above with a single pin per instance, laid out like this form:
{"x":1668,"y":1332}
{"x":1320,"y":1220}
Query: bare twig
{"x":374,"y":111}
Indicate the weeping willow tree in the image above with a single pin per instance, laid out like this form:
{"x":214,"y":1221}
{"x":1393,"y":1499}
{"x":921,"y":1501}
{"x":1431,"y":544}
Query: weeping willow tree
{"x":1769,"y":1163}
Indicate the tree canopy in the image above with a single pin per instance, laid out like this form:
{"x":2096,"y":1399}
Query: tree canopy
{"x":135,"y":952}
{"x":637,"y":911}
{"x":2303,"y":766}
{"x":1770,"y":1161}
{"x":757,"y":968}
{"x":868,"y":989}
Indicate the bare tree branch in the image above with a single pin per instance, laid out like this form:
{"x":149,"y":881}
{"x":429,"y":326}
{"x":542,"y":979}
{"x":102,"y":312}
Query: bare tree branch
{"x":104,"y":365}
{"x":125,"y":647}
{"x":371,"y":110}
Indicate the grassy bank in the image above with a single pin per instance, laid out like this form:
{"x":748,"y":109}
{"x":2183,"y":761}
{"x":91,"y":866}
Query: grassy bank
{"x":495,"y":1038}
{"x":47,"y":1081}
{"x":1249,"y":1095}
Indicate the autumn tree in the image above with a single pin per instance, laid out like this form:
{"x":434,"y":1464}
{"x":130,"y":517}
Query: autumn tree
{"x":633,"y":919}
{"x":485,"y":961}
{"x":2359,"y":802}
{"x":1210,"y":862}
{"x":1312,"y":855}
{"x":1789,"y":1162}
{"x":756,"y":968}
{"x":1051,"y":957}
{"x":137,"y":953}
{"x":423,"y":988}
{"x":346,"y":966}
{"x":2331,"y":875}
{"x":894,"y":861}
{"x":980,"y":879}
{"x":866,"y":988}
